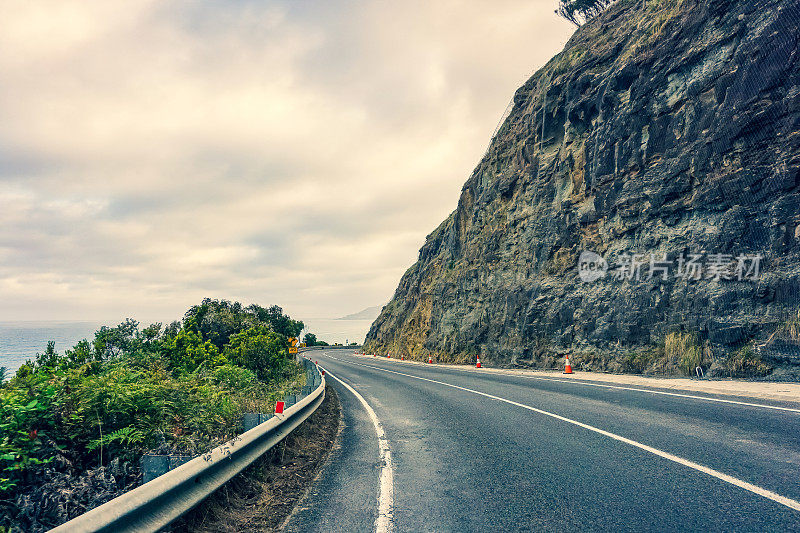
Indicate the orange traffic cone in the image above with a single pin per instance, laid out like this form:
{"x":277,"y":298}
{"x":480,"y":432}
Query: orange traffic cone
{"x":478,"y":364}
{"x":402,"y":357}
{"x":568,"y":367}
{"x":388,"y":356}
{"x":430,"y":359}
{"x":374,"y":355}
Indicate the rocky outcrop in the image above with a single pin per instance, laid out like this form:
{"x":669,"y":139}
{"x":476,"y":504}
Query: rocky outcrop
{"x":664,"y":127}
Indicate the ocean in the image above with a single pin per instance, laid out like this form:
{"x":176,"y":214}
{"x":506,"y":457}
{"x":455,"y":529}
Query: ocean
{"x":20,"y":341}
{"x":337,"y":330}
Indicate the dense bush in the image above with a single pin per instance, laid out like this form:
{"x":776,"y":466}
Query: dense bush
{"x":260,"y":350}
{"x":181,"y":389}
{"x":311,"y":340}
{"x":217,"y":320}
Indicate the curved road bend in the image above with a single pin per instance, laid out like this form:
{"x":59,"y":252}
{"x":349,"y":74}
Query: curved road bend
{"x":474,"y":451}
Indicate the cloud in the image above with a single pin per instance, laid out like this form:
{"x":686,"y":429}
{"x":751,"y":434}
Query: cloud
{"x":275,"y":152}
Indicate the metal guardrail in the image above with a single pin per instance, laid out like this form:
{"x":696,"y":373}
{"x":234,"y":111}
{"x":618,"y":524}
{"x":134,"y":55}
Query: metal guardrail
{"x":155,"y":504}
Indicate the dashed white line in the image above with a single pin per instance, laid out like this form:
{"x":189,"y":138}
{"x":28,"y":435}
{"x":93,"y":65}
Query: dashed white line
{"x":383,"y":524}
{"x":755,"y":489}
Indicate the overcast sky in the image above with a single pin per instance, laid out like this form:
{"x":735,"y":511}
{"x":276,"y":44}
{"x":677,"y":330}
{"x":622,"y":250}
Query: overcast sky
{"x":290,"y":153}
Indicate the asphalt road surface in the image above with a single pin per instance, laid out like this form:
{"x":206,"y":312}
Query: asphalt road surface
{"x":426,"y":448}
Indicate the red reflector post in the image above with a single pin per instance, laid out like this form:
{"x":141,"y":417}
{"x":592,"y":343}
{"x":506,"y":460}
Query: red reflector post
{"x":278,"y":408}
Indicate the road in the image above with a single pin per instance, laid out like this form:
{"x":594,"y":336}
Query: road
{"x":476,"y":451}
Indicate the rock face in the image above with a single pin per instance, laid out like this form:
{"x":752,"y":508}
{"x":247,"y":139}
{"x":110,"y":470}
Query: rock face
{"x":664,"y":127}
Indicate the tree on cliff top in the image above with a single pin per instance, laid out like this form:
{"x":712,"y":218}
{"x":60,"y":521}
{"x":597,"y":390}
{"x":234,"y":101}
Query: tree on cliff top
{"x":580,"y":11}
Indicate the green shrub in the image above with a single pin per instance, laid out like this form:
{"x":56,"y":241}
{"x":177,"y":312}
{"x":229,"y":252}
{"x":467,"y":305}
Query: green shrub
{"x":131,"y":390}
{"x":261,"y":351}
{"x":218,"y":320}
{"x":187,"y":350}
{"x":310,"y":339}
{"x":234,"y":377}
{"x":24,"y":422}
{"x":745,"y":362}
{"x":637,"y":362}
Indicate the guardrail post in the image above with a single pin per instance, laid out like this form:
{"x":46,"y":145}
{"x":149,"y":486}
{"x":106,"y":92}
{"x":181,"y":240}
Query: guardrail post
{"x":154,"y":466}
{"x":250,"y":420}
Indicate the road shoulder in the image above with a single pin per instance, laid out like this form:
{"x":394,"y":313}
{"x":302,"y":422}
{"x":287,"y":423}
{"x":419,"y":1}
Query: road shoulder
{"x":761,"y":390}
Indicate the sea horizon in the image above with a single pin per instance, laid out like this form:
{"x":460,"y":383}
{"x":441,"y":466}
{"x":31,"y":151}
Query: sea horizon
{"x":21,"y":340}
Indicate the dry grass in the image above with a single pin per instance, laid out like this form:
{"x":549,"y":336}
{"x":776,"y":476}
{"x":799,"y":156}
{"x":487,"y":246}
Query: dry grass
{"x":745,"y":363}
{"x":683,"y":350}
{"x":791,"y":328}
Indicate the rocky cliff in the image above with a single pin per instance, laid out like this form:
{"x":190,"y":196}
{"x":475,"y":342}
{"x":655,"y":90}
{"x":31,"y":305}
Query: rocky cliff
{"x":665,"y":139}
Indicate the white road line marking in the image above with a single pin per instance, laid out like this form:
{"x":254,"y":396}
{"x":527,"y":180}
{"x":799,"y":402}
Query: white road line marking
{"x":665,"y":393}
{"x":383,"y":524}
{"x":755,"y":489}
{"x":619,"y":387}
